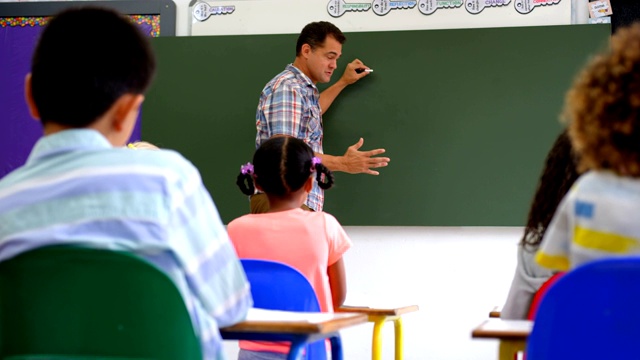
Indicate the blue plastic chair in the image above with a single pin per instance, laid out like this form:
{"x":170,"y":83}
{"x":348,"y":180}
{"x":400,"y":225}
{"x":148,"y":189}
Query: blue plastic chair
{"x":277,"y":286}
{"x":592,"y":312}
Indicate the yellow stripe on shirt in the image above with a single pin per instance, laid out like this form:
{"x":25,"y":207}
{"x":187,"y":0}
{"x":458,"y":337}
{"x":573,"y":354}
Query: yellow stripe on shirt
{"x":554,"y":262}
{"x":603,"y":241}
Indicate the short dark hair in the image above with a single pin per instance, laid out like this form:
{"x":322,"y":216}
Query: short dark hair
{"x":316,"y":33}
{"x":85,"y":59}
{"x":282,"y":165}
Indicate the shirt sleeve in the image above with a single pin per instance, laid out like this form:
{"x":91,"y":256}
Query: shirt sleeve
{"x":339,"y":241}
{"x":554,"y":249}
{"x":283,"y":110}
{"x":528,"y":278}
{"x":212,"y":269}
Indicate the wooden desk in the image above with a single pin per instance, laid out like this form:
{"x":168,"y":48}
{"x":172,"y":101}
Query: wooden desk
{"x":511,"y":333}
{"x":299,"y":328}
{"x":379,"y":316}
{"x":495,"y":312}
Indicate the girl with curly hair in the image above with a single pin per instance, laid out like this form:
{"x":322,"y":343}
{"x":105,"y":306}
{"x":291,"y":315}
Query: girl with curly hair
{"x":599,"y":217}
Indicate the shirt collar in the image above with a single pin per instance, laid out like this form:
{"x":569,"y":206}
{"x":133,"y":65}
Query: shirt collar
{"x":301,"y":76}
{"x":67,"y":141}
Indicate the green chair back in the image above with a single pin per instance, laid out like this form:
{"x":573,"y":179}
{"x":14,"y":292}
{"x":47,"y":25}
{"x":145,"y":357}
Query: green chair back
{"x":65,"y":302}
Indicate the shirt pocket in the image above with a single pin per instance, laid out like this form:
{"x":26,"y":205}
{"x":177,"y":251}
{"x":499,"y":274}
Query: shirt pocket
{"x":314,"y":126}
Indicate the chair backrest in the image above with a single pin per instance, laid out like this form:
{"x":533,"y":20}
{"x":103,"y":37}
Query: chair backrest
{"x":537,"y":298}
{"x":277,"y":286}
{"x":592,"y":312}
{"x":68,"y":301}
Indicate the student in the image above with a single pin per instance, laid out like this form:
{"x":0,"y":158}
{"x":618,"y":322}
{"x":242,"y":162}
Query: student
{"x":290,"y":104}
{"x":599,"y":216}
{"x":557,"y":177}
{"x":311,"y":242}
{"x":81,"y":185}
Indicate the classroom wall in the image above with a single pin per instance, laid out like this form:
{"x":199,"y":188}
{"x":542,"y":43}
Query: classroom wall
{"x":282,"y":16}
{"x":289,"y":16}
{"x":455,"y":275}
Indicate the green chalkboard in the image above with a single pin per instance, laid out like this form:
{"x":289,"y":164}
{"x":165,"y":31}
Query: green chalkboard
{"x":466,"y":116}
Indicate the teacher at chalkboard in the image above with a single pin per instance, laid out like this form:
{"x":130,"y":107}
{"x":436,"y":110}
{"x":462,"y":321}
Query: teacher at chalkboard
{"x":290,"y":104}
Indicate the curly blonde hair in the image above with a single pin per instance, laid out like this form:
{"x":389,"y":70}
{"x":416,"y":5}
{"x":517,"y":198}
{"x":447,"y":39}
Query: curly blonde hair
{"x":603,"y":108}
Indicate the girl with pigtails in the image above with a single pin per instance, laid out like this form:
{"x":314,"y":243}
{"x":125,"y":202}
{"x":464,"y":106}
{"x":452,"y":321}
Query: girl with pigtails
{"x":312,"y":242}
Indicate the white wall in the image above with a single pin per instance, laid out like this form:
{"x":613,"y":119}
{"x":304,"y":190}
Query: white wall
{"x":289,"y":16}
{"x":455,"y":275}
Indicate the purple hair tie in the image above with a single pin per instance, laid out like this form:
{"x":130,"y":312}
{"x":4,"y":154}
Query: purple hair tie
{"x":246,"y":169}
{"x":315,"y":161}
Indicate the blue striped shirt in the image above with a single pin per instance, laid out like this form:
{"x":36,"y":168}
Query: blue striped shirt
{"x":290,"y":105}
{"x":77,"y":189}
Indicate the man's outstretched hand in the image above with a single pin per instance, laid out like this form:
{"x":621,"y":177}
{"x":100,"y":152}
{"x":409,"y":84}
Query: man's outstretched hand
{"x":356,"y":161}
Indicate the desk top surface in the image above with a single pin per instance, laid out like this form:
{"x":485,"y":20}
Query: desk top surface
{"x":385,"y":311}
{"x":274,"y":321}
{"x":503,"y":329}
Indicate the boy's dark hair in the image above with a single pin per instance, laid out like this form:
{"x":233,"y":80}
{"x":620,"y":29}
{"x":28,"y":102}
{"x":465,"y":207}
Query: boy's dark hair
{"x":281,"y":165}
{"x":85,"y":60}
{"x":316,"y":33}
{"x":558,"y":175}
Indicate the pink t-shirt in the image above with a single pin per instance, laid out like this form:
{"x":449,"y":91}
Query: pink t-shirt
{"x":306,"y":240}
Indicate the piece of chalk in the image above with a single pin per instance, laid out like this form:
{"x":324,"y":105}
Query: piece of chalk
{"x":361,"y":70}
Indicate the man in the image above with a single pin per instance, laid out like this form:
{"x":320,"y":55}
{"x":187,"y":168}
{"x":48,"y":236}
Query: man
{"x":81,"y":186}
{"x":290,"y":104}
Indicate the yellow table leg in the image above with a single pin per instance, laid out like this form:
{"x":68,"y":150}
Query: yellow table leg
{"x":376,"y":351}
{"x":509,"y":348}
{"x":397,"y":323}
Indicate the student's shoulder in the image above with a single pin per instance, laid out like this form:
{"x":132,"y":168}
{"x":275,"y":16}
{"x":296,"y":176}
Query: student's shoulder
{"x":157,"y":157}
{"x":323,"y":217}
{"x":238,"y":221}
{"x":597,"y":181}
{"x":168,"y":161}
{"x":246,"y":221}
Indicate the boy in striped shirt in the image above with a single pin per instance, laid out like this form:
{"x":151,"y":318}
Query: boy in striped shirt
{"x":81,"y":186}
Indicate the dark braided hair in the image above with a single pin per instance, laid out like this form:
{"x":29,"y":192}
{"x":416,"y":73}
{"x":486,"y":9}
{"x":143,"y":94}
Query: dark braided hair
{"x":282,"y":165}
{"x":245,"y":180}
{"x":557,"y":177}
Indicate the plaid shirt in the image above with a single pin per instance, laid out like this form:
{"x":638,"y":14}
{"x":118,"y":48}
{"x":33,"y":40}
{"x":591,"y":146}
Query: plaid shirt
{"x":289,"y":105}
{"x":77,"y":189}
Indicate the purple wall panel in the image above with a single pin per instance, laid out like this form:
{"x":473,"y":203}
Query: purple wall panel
{"x":18,"y":130}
